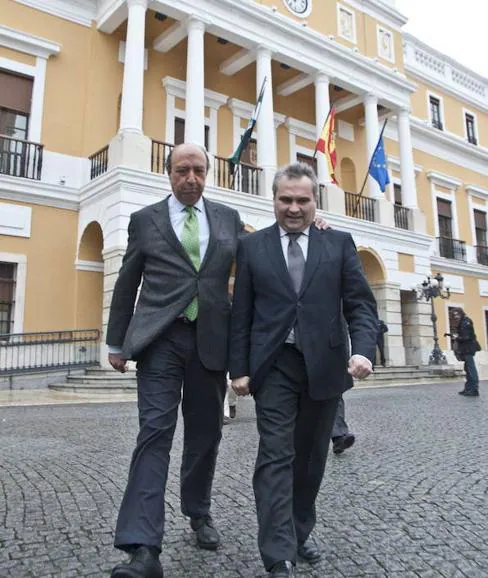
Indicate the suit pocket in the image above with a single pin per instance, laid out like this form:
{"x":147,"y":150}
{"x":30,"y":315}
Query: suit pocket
{"x":336,"y":339}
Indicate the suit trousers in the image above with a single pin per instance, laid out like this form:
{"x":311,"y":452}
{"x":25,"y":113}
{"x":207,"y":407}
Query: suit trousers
{"x":165,"y":366}
{"x":340,"y":426}
{"x":294,"y":435}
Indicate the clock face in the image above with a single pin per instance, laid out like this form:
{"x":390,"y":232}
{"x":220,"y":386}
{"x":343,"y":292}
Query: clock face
{"x":299,"y":7}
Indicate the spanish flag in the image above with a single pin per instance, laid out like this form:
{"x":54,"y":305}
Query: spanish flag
{"x":326,"y":143}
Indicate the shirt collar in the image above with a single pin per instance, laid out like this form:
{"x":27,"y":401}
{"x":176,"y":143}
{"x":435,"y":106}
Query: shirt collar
{"x":283,"y":233}
{"x":178,"y":206}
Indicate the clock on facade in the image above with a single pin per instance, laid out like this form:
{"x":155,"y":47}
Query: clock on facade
{"x":299,"y":8}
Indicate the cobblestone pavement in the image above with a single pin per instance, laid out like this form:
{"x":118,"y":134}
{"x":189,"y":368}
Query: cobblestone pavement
{"x":408,"y":500}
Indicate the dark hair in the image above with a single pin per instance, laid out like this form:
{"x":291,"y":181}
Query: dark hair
{"x":171,"y":152}
{"x":296,"y":171}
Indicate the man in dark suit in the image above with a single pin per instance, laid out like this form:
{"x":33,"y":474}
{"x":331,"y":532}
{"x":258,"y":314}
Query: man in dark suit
{"x":288,"y":349}
{"x":182,"y":248}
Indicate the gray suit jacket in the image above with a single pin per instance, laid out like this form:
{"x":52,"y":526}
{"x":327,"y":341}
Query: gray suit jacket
{"x":170,"y":281}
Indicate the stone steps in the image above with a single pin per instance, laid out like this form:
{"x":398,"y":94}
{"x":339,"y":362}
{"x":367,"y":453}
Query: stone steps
{"x":103,"y":381}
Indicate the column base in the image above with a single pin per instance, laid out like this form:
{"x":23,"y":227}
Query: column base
{"x":385,"y":212}
{"x":130,"y":149}
{"x":417,"y":221}
{"x":335,"y":200}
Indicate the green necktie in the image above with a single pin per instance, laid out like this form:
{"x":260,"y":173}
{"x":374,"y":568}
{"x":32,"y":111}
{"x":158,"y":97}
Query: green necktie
{"x":190,"y":239}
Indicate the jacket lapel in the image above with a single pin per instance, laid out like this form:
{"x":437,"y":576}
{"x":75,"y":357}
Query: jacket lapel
{"x":276,"y":257}
{"x":317,"y":252}
{"x":163,"y":224}
{"x":213,"y":218}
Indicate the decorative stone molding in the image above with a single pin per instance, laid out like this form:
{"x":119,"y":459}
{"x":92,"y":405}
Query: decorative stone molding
{"x":27,"y":43}
{"x":91,"y":266}
{"x":177,"y":88}
{"x":394,"y":165}
{"x":445,"y":181}
{"x":79,"y":11}
{"x":476,"y":191}
{"x":15,"y":220}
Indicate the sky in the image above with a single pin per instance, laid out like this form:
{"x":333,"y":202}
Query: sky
{"x":458,"y":29}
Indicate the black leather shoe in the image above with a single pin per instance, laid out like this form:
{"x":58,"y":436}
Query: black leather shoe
{"x":283,"y":569}
{"x":207,"y":536}
{"x":309,"y":552}
{"x":470,"y":393}
{"x":144,"y":563}
{"x":341,"y":443}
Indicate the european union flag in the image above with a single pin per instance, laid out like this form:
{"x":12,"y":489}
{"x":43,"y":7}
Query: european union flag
{"x":377,"y":167}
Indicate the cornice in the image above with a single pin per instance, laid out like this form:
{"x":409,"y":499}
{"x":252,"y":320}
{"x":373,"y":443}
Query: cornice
{"x":38,"y":193}
{"x":394,"y":164}
{"x":79,"y":11}
{"x":472,"y":269}
{"x":91,"y":266}
{"x":476,"y":191}
{"x":27,"y":43}
{"x":445,"y":181}
{"x":244,"y":109}
{"x":301,"y":129}
{"x":381,"y":11}
{"x":177,"y":88}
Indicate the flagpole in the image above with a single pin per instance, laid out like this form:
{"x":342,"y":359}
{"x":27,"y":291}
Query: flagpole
{"x":322,"y":129}
{"x":369,"y":166}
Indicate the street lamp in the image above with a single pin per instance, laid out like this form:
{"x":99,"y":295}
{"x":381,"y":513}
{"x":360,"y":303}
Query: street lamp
{"x":431,"y":288}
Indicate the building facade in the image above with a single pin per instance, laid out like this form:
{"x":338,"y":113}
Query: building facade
{"x":94,"y":93}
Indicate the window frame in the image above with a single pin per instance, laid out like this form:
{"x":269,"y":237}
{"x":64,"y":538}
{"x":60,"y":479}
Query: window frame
{"x":341,"y":7}
{"x":472,"y":114}
{"x":430,"y":96}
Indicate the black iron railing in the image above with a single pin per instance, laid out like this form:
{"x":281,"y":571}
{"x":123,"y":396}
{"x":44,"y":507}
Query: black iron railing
{"x":482,"y":254}
{"x":452,"y":248}
{"x":99,"y":162}
{"x":401,"y":217}
{"x":159,"y":153}
{"x":54,"y":350}
{"x":360,"y":207}
{"x":20,"y":158}
{"x":242,"y":177}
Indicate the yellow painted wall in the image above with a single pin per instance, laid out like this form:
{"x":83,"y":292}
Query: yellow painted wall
{"x":89,"y":300}
{"x":406,"y":263}
{"x":51,"y":252}
{"x":322,"y":18}
{"x":17,"y":56}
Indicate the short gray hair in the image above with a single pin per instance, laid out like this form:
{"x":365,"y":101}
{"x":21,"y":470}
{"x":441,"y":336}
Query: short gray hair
{"x":171,"y":152}
{"x":296,"y":171}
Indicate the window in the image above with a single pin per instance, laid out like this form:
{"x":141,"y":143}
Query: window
{"x":444,"y":217}
{"x":397,"y":189}
{"x":435,"y":112}
{"x":308,"y":160}
{"x":15,"y":104}
{"x":180,"y":132}
{"x":480,"y":232}
{"x":470,"y":128}
{"x":7,"y":292}
{"x":250,"y":155}
{"x":346,"y":24}
{"x":385,"y":44}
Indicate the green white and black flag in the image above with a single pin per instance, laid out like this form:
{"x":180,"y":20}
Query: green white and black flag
{"x":235,"y":159}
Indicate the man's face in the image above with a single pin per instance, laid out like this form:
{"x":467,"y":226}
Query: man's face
{"x":294,"y":204}
{"x":188,"y":173}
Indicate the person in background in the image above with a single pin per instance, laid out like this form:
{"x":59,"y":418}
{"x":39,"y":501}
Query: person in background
{"x":467,"y":345}
{"x":342,"y":438}
{"x":230,"y":404}
{"x":380,"y":340}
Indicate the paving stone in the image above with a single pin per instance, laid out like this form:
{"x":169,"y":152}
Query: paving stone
{"x":407,"y":501}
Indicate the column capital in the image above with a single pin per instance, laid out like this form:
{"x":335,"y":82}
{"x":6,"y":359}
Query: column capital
{"x":321,"y":78}
{"x":404,"y":110}
{"x":263,"y":51}
{"x":194,"y":23}
{"x":142,"y":3}
{"x":370,"y":98}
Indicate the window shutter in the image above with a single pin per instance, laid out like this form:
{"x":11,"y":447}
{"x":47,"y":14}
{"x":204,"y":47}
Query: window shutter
{"x":444,"y":208}
{"x":480,"y":220}
{"x":15,"y":92}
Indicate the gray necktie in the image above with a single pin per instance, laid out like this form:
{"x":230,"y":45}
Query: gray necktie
{"x":296,"y":261}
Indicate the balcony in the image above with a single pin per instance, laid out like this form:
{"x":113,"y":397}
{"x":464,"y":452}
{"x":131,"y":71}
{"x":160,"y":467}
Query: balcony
{"x":482,"y":254}
{"x":360,"y":207}
{"x":98,"y":162}
{"x":20,"y":158}
{"x":242,"y":177}
{"x":452,"y":248}
{"x":402,"y":217}
{"x":159,"y":153}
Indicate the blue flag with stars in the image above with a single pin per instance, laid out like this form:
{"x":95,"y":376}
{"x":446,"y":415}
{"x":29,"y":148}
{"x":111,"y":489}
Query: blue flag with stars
{"x":377,"y":167}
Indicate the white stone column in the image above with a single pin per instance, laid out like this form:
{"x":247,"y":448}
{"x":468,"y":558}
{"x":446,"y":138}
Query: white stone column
{"x":133,"y":83}
{"x":195,"y":86}
{"x":372,"y":135}
{"x":407,"y":167}
{"x":322,"y":106}
{"x":266,"y":132}
{"x":130,"y":147}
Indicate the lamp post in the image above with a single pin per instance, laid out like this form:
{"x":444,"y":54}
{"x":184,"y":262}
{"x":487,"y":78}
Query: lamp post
{"x":431,"y":288}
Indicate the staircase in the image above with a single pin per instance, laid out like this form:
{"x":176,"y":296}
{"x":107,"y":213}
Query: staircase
{"x":106,"y":381}
{"x":412,"y":374}
{"x":98,"y":380}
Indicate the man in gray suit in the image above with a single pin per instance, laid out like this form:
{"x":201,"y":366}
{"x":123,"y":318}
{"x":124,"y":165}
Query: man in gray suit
{"x":182,"y":248}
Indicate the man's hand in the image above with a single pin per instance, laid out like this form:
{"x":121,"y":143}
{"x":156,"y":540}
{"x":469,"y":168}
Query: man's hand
{"x":241,"y":385}
{"x":359,"y":367}
{"x":321,"y":223}
{"x":118,"y":362}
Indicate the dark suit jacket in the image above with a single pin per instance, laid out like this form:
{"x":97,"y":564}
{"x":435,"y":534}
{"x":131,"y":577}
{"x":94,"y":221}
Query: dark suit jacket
{"x":266,"y":307}
{"x":170,"y":282}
